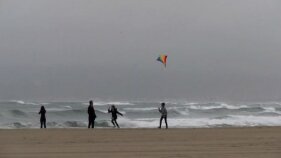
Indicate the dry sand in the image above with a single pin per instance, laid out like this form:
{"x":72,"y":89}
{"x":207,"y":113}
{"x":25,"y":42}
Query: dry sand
{"x":262,"y":142}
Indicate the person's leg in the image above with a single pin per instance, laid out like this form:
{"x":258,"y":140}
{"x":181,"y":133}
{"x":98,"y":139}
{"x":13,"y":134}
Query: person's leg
{"x":160,"y":122}
{"x":45,"y":124}
{"x":166,"y":122}
{"x":41,"y":124}
{"x":116,"y":123}
{"x":93,"y":123}
{"x":89,"y":123}
{"x":112,"y":120}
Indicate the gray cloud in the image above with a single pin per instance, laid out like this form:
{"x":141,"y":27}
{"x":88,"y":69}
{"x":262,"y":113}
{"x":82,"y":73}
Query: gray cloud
{"x":220,"y":49}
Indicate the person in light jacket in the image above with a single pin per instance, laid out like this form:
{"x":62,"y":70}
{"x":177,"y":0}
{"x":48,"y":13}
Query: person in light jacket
{"x":164,"y":114}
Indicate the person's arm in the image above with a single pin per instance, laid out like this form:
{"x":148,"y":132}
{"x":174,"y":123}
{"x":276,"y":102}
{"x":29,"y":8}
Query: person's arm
{"x":119,"y":113}
{"x":160,"y":110}
{"x":95,"y":116}
{"x":109,"y":110}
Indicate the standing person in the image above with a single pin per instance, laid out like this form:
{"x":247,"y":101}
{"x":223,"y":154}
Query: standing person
{"x":92,"y":115}
{"x":164,"y":114}
{"x":113,"y":110}
{"x":42,"y":112}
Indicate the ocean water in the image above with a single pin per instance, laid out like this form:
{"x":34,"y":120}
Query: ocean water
{"x":21,"y":114}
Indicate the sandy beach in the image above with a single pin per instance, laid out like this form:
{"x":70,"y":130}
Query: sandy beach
{"x":258,"y":142}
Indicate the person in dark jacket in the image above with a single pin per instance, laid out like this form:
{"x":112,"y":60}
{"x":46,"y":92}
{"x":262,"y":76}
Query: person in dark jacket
{"x":92,"y":115}
{"x":164,"y":114}
{"x":42,"y":112}
{"x":113,"y":110}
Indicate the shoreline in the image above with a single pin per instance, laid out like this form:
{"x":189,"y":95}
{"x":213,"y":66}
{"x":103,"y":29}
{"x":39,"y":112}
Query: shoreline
{"x":141,"y":128}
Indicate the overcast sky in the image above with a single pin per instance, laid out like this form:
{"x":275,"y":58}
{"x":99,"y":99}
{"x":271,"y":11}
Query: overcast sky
{"x":70,"y":49}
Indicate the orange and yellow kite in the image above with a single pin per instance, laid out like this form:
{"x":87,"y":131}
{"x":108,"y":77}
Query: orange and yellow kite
{"x":163,"y":59}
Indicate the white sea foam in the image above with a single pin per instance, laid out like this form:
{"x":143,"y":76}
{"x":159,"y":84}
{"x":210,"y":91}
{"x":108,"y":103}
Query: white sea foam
{"x":28,"y":103}
{"x":115,"y":103}
{"x":18,"y":101}
{"x":68,"y":107}
{"x":103,"y":111}
{"x":109,"y":103}
{"x":219,"y":106}
{"x":271,"y":110}
{"x":56,"y":109}
{"x":44,"y":103}
{"x":238,"y":121}
{"x":140,"y":109}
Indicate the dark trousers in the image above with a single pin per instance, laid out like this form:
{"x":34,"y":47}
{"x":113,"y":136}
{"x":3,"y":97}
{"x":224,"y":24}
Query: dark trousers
{"x":91,"y":122}
{"x":165,"y":118}
{"x":43,"y":122}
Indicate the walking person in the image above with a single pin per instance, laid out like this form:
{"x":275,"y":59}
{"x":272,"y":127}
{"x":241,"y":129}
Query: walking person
{"x":92,"y":115}
{"x":42,"y":112}
{"x":164,"y":114}
{"x":113,"y":110}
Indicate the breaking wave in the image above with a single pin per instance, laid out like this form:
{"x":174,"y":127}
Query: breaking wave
{"x":140,"y":115}
{"x":17,"y":113}
{"x":27,"y":103}
{"x":110,"y":103}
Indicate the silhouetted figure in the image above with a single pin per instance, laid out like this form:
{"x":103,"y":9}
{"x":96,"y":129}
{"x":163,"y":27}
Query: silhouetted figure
{"x":42,"y":112}
{"x":92,"y":115}
{"x":164,"y":114}
{"x":113,"y":110}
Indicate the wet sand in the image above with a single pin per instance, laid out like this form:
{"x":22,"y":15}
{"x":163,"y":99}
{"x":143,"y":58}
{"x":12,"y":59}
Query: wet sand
{"x":257,"y":142}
